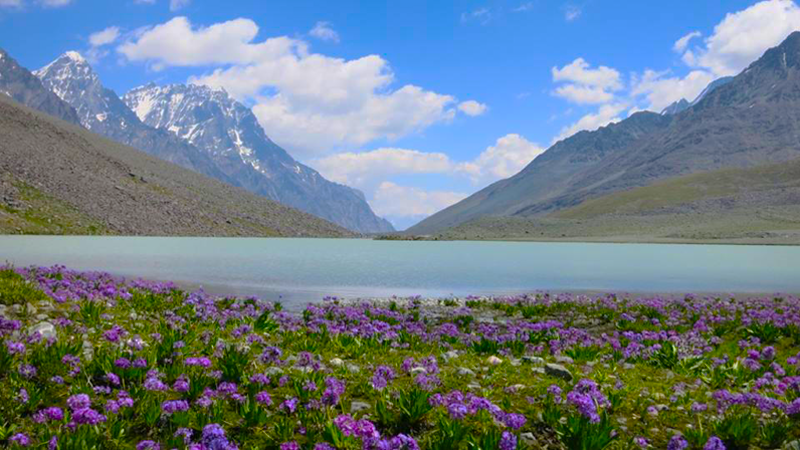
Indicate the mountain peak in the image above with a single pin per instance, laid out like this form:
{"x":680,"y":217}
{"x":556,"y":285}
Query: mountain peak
{"x":74,"y":56}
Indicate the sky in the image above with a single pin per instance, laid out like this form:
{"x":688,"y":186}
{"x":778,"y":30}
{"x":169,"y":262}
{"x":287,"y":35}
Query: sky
{"x":416,"y":103}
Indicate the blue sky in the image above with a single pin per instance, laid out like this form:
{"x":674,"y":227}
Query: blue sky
{"x":417,"y":103}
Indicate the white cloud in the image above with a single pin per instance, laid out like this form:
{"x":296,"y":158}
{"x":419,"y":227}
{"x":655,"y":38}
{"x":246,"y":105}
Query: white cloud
{"x":661,"y":91}
{"x":144,"y":2}
{"x":605,"y":115}
{"x":366,"y":168}
{"x":572,"y":12}
{"x":104,"y":37}
{"x":11,"y":3}
{"x":586,"y":85}
{"x":175,"y":5}
{"x":682,"y":43}
{"x":743,"y":36}
{"x":324,"y":31}
{"x":393,"y":200}
{"x":510,"y":154}
{"x":309,"y":102}
{"x":472,"y":108}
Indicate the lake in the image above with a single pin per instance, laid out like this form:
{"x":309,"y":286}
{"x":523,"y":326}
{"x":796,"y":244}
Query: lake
{"x":298,"y":271}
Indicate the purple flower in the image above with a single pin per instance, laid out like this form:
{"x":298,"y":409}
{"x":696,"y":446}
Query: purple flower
{"x":508,"y":441}
{"x":87,"y":416}
{"x":27,"y":371}
{"x":79,"y":401}
{"x":382,"y":377}
{"x":147,"y":445}
{"x":290,"y":405}
{"x":181,"y":385}
{"x":186,"y":433}
{"x":202,"y":362}
{"x":154,"y":384}
{"x":53,"y":444}
{"x":641,"y":442}
{"x":114,"y":334}
{"x":112,"y":378}
{"x":403,"y":442}
{"x":173,"y":406}
{"x":123,"y":363}
{"x":53,"y":413}
{"x":20,"y":439}
{"x":514,"y":421}
{"x":22,"y":396}
{"x":264,"y":398}
{"x":323,"y":446}
{"x":333,"y":391}
{"x":768,"y":353}
{"x":677,"y":443}
{"x":714,"y":443}
{"x":290,"y":446}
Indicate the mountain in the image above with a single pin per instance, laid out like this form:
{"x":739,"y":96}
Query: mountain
{"x":59,"y":178}
{"x":711,"y":86}
{"x":753,"y":119}
{"x":675,"y":107}
{"x":101,"y":111}
{"x":229,"y":133}
{"x":18,"y":83}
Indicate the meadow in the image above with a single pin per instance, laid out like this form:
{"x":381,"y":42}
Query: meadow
{"x":91,"y":361}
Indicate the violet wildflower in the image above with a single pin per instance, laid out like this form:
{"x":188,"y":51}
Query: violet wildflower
{"x":290,"y":405}
{"x":21,"y":439}
{"x":79,"y":401}
{"x":147,"y":445}
{"x":714,"y":443}
{"x":264,"y":398}
{"x":507,"y":441}
{"x":677,"y":443}
{"x":173,"y":406}
{"x":333,"y":391}
{"x":641,"y":442}
{"x":290,"y":446}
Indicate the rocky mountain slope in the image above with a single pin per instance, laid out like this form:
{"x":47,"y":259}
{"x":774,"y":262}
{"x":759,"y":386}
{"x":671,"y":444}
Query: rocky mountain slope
{"x":19,"y":84}
{"x":58,"y":178}
{"x":101,"y":111}
{"x":753,"y":119}
{"x":230,"y":134}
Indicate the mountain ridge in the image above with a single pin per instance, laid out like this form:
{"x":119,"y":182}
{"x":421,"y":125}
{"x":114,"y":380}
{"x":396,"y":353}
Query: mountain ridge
{"x":747,"y":121}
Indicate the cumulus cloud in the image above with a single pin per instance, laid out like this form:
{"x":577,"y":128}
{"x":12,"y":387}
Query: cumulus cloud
{"x":584,"y":84}
{"x":394,"y":200}
{"x":308,"y":102}
{"x":323,"y":31}
{"x":661,"y":90}
{"x":510,"y":154}
{"x":682,"y":43}
{"x":365,"y":170}
{"x":743,"y":36}
{"x":472,"y":108}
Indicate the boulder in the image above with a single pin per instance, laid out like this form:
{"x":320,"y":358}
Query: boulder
{"x":558,"y":371}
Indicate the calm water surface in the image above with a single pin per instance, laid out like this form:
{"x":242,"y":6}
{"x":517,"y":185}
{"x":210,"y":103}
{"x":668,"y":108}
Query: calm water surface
{"x":298,"y":271}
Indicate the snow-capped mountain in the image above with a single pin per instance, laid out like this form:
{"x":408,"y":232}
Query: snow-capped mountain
{"x":100,"y":110}
{"x":19,"y":84}
{"x":230,"y":134}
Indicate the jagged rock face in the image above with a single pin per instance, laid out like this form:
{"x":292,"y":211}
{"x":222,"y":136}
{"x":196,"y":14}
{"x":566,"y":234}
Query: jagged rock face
{"x":100,"y":110}
{"x":745,"y":121}
{"x":19,"y":84}
{"x":675,"y":107}
{"x":229,"y":133}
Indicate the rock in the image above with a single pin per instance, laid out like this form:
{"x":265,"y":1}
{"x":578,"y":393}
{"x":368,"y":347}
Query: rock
{"x":352,"y":368}
{"x":793,"y":445}
{"x":474,"y":387}
{"x":452,"y":354}
{"x":558,"y":371}
{"x":628,"y":366}
{"x":88,"y":351}
{"x":358,"y":406}
{"x":535,"y":360}
{"x":539,"y":370}
{"x":516,"y":387}
{"x":494,"y":360}
{"x":529,"y":440}
{"x":561,"y":359}
{"x":337,"y":362}
{"x":46,"y":329}
{"x":42,"y":317}
{"x":464,"y":372}
{"x":418,"y":370}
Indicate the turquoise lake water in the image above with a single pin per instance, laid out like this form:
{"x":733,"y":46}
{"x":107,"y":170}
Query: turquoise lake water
{"x":298,"y":271}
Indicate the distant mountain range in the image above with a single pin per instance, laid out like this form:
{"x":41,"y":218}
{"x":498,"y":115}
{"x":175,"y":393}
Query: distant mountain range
{"x":59,"y":178}
{"x":746,"y":121}
{"x":194,"y":126}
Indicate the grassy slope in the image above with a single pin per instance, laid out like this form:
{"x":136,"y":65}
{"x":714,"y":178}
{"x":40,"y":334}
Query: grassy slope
{"x":756,"y":205}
